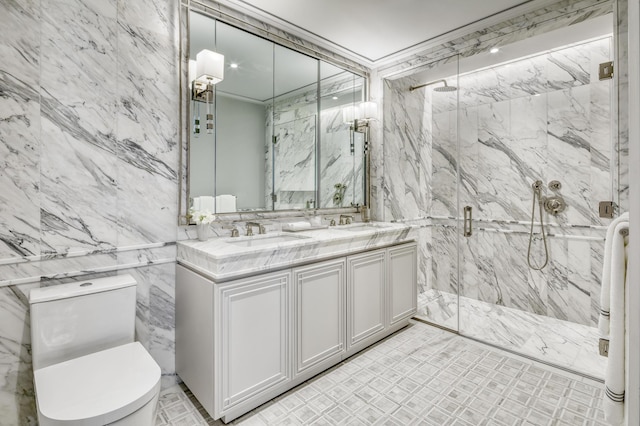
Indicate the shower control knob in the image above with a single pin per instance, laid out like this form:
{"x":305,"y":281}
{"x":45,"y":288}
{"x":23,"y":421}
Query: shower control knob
{"x":555,"y":185}
{"x":554,"y":205}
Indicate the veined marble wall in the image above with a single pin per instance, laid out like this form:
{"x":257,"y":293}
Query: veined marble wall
{"x":292,"y":159}
{"x":89,"y":116}
{"x":544,"y":117}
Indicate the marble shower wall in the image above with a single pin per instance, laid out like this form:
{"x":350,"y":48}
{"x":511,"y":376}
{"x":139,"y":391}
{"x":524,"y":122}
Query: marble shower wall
{"x":544,"y":117}
{"x":292,"y":159}
{"x":89,"y":117}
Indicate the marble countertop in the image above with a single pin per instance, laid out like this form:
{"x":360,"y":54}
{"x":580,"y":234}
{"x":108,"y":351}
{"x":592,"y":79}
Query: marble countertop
{"x":224,"y":258}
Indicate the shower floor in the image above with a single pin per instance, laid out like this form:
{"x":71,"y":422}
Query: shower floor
{"x":561,"y":343}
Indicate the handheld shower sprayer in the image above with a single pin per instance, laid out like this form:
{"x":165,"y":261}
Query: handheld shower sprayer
{"x":537,"y":193}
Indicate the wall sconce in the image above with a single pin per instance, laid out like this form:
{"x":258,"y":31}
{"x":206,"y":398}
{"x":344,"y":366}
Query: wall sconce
{"x":358,"y":118}
{"x":204,"y":72}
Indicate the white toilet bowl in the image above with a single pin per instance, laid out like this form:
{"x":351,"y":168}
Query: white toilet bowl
{"x":87,"y":368}
{"x":118,"y":386}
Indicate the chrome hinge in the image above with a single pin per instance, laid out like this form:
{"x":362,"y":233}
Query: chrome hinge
{"x":274,"y":198}
{"x":606,"y":209}
{"x":605,"y":71}
{"x":603,"y":347}
{"x":274,"y":139}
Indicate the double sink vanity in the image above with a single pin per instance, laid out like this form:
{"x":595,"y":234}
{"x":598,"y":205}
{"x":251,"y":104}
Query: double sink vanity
{"x":258,"y":315}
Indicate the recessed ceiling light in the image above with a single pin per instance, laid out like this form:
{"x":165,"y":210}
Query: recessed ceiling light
{"x":494,"y":50}
{"x":233,"y":65}
{"x":334,"y":98}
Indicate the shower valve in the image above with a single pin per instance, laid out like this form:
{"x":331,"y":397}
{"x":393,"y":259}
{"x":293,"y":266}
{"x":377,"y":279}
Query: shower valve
{"x":554,"y":205}
{"x":555,"y":185}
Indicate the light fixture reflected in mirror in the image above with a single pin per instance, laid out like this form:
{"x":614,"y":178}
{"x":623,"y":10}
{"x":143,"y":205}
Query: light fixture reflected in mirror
{"x":204,"y":72}
{"x":358,"y":118}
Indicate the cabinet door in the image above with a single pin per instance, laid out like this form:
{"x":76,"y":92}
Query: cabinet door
{"x":365,"y":296}
{"x":320,"y":312}
{"x":402,"y":282}
{"x":252,"y":336}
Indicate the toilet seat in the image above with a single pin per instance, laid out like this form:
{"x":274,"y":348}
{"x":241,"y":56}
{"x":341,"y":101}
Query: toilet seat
{"x":98,"y":388}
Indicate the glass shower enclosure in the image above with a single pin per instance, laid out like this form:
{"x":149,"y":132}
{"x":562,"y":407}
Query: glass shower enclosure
{"x":536,"y":111}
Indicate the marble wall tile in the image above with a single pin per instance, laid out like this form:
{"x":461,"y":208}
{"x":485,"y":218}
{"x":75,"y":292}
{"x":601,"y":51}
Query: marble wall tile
{"x":557,"y":281}
{"x":294,"y":155}
{"x":155,"y":315}
{"x":407,"y":182}
{"x":622,"y":106}
{"x":444,"y":243}
{"x":147,"y":137}
{"x":596,"y":262}
{"x":17,"y":398}
{"x":569,"y":159}
{"x":78,"y":203}
{"x":579,"y":282}
{"x":20,"y":130}
{"x":469,"y":156}
{"x":336,"y":161}
{"x":90,"y":131}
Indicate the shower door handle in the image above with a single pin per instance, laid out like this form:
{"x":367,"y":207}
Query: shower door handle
{"x":468,"y":221}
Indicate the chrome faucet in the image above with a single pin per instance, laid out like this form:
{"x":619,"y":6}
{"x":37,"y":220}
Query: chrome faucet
{"x":332,"y":221}
{"x":250,"y":225}
{"x":345,"y":219}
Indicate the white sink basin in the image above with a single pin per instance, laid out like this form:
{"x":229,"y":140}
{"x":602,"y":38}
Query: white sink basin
{"x":264,"y":240}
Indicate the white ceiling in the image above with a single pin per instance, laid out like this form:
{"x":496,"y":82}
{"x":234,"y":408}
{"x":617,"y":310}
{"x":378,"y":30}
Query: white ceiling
{"x":374,"y":30}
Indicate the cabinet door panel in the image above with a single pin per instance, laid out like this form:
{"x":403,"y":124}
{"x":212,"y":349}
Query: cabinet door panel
{"x":366,"y":295}
{"x":320,"y":312}
{"x":402,"y":270}
{"x":254,"y":336}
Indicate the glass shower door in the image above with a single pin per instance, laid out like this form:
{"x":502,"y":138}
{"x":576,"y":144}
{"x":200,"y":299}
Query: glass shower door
{"x":433,"y":104}
{"x":543,"y":117}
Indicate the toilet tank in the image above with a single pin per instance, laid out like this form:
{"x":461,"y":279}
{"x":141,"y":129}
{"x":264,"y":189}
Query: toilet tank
{"x":76,"y":319}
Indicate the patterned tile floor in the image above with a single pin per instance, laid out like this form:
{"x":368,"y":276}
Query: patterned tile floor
{"x":421,"y":375}
{"x":562,"y":343}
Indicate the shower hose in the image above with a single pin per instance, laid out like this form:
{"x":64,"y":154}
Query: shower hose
{"x":537,"y":193}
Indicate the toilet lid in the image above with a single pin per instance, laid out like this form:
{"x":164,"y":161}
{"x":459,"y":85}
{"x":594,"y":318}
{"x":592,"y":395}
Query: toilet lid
{"x":98,"y":388}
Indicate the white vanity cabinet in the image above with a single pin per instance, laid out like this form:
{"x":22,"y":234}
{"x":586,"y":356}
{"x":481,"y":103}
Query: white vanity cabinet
{"x":402,"y":276}
{"x":251,"y":337}
{"x":242,"y":342}
{"x":366,"y":289}
{"x":319,"y":293}
{"x":233,"y":339}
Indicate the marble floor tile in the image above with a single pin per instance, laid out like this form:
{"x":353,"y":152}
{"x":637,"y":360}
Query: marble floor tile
{"x":438,"y":378}
{"x":561,"y":343}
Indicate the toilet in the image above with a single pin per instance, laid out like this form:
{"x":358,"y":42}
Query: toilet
{"x":87,"y":368}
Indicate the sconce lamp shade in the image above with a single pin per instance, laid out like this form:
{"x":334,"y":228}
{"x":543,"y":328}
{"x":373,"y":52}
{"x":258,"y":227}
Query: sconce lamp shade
{"x":210,"y":67}
{"x":362,"y":111}
{"x":348,"y":114}
{"x":368,"y":110}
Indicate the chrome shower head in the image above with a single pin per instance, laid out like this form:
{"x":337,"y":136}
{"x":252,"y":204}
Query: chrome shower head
{"x":445,"y":88}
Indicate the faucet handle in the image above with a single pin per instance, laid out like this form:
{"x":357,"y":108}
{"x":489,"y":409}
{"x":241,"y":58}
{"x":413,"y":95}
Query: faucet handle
{"x":332,"y":221}
{"x":345,"y":219}
{"x":235,"y":232}
{"x":249,"y":231}
{"x":261,"y":229}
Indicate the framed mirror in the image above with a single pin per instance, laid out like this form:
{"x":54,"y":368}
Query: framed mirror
{"x":271,"y":135}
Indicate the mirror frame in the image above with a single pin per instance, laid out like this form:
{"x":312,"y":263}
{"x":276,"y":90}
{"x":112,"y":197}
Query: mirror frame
{"x":278,"y":37}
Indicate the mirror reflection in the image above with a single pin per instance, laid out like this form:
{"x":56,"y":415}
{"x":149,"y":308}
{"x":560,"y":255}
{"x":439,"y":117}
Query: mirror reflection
{"x":278,"y":138}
